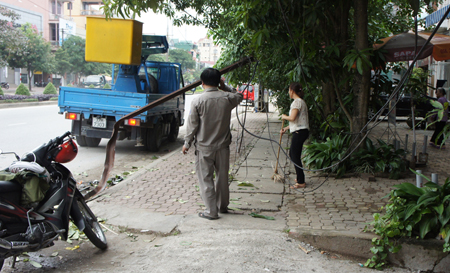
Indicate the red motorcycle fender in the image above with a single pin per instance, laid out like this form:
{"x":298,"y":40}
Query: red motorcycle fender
{"x":75,"y":213}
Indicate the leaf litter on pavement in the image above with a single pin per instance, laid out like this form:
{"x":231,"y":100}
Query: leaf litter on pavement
{"x":256,"y":215}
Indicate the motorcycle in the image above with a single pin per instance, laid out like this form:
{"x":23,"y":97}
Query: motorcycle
{"x":4,"y":85}
{"x":40,"y":84}
{"x":37,"y":224}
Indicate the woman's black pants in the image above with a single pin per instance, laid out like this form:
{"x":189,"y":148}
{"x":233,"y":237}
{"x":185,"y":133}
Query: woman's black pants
{"x":298,"y":138}
{"x":439,"y":127}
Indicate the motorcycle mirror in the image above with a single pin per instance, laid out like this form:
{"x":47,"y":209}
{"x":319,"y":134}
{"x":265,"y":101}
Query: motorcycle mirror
{"x":17,"y":156}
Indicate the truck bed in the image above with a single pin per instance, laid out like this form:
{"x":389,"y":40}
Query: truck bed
{"x":106,"y":102}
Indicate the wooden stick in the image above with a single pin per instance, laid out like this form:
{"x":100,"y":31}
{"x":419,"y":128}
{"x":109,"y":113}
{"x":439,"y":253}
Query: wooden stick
{"x":107,"y":228}
{"x":304,"y":249}
{"x":279,"y":146}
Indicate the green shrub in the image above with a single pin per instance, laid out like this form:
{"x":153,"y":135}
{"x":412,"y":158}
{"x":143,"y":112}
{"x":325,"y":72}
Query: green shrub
{"x":91,"y":86}
{"x":69,"y":85}
{"x":1,"y":92}
{"x":22,"y":89}
{"x":50,"y":89}
{"x":321,"y":155}
{"x":412,"y":212}
{"x":107,"y":86}
{"x":369,"y":158}
{"x":381,"y":158}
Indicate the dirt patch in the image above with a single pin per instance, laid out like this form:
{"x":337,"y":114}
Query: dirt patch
{"x":371,"y":190}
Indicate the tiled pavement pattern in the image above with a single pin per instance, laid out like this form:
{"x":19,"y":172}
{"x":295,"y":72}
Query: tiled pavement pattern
{"x":169,"y":185}
{"x":349,"y":203}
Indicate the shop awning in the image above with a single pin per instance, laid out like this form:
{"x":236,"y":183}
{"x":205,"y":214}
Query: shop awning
{"x":436,"y":16}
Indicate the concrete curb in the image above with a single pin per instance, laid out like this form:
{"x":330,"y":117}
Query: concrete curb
{"x":26,"y":104}
{"x":417,"y":255}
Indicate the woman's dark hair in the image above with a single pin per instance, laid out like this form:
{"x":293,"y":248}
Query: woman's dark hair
{"x":442,"y":90}
{"x":210,"y":76}
{"x":297,"y":88}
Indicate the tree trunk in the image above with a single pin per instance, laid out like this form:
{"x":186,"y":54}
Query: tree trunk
{"x":361,"y":84}
{"x":30,"y":76}
{"x":329,"y":98}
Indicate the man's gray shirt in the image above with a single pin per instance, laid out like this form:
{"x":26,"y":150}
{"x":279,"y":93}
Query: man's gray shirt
{"x":209,"y":119}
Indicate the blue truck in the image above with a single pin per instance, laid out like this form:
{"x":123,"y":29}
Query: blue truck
{"x":95,"y":111}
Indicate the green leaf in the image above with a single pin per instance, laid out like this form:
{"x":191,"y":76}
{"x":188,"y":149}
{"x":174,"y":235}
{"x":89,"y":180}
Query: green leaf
{"x":439,"y":209}
{"x":255,"y":215}
{"x":426,"y":225}
{"x":35,"y":264}
{"x":445,"y":216}
{"x":410,"y":210}
{"x":410,"y":189}
{"x":359,"y":66}
{"x":245,"y":184}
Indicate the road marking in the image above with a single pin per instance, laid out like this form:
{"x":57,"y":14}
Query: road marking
{"x":15,"y":124}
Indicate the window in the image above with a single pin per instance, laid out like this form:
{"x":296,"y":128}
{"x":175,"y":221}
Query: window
{"x":56,"y":7}
{"x":54,"y":32}
{"x":151,"y":71}
{"x":91,"y":8}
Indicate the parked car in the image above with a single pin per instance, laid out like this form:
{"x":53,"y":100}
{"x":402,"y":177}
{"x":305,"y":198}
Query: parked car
{"x":249,"y":94}
{"x":403,"y":106}
{"x":97,"y":81}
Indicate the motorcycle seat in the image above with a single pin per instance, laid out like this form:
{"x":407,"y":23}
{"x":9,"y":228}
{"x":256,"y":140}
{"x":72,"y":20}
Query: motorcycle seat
{"x":10,"y":186}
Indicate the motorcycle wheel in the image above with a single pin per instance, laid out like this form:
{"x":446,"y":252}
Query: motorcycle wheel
{"x":7,"y":86}
{"x":93,"y":230}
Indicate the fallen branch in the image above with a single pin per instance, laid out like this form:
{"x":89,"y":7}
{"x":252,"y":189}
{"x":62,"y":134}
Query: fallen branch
{"x":304,"y":249}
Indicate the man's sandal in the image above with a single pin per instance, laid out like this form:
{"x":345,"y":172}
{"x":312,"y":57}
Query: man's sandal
{"x":298,"y":186}
{"x":201,"y":214}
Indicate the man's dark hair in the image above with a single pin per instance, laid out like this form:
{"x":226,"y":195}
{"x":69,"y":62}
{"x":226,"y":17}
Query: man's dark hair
{"x":210,"y":76}
{"x":442,"y":90}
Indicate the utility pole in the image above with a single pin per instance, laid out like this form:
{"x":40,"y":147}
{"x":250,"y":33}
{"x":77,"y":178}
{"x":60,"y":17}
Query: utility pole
{"x":168,"y":39}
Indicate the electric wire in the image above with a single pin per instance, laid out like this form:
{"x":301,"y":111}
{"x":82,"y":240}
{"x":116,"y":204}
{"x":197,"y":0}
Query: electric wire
{"x":396,"y":90}
{"x":394,"y":93}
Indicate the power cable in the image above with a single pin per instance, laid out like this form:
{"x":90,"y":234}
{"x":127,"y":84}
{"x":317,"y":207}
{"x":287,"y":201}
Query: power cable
{"x":396,"y":91}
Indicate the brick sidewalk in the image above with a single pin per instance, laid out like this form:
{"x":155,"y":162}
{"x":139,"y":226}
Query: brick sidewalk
{"x":170,"y":186}
{"x":348,"y":204}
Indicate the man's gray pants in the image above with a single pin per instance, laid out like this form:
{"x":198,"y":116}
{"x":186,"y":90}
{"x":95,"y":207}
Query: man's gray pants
{"x":215,"y":193}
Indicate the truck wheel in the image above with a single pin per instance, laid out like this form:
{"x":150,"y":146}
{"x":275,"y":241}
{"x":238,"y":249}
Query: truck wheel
{"x":154,"y":137}
{"x":92,"y":141}
{"x":153,"y":84}
{"x":174,"y":129}
{"x":81,"y":140}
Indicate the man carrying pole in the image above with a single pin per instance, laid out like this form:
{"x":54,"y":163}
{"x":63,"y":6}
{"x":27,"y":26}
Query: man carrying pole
{"x":208,"y":128}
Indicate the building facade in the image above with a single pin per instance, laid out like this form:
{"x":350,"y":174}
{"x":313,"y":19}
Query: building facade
{"x":208,"y":52}
{"x":439,"y":70}
{"x":55,"y":20}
